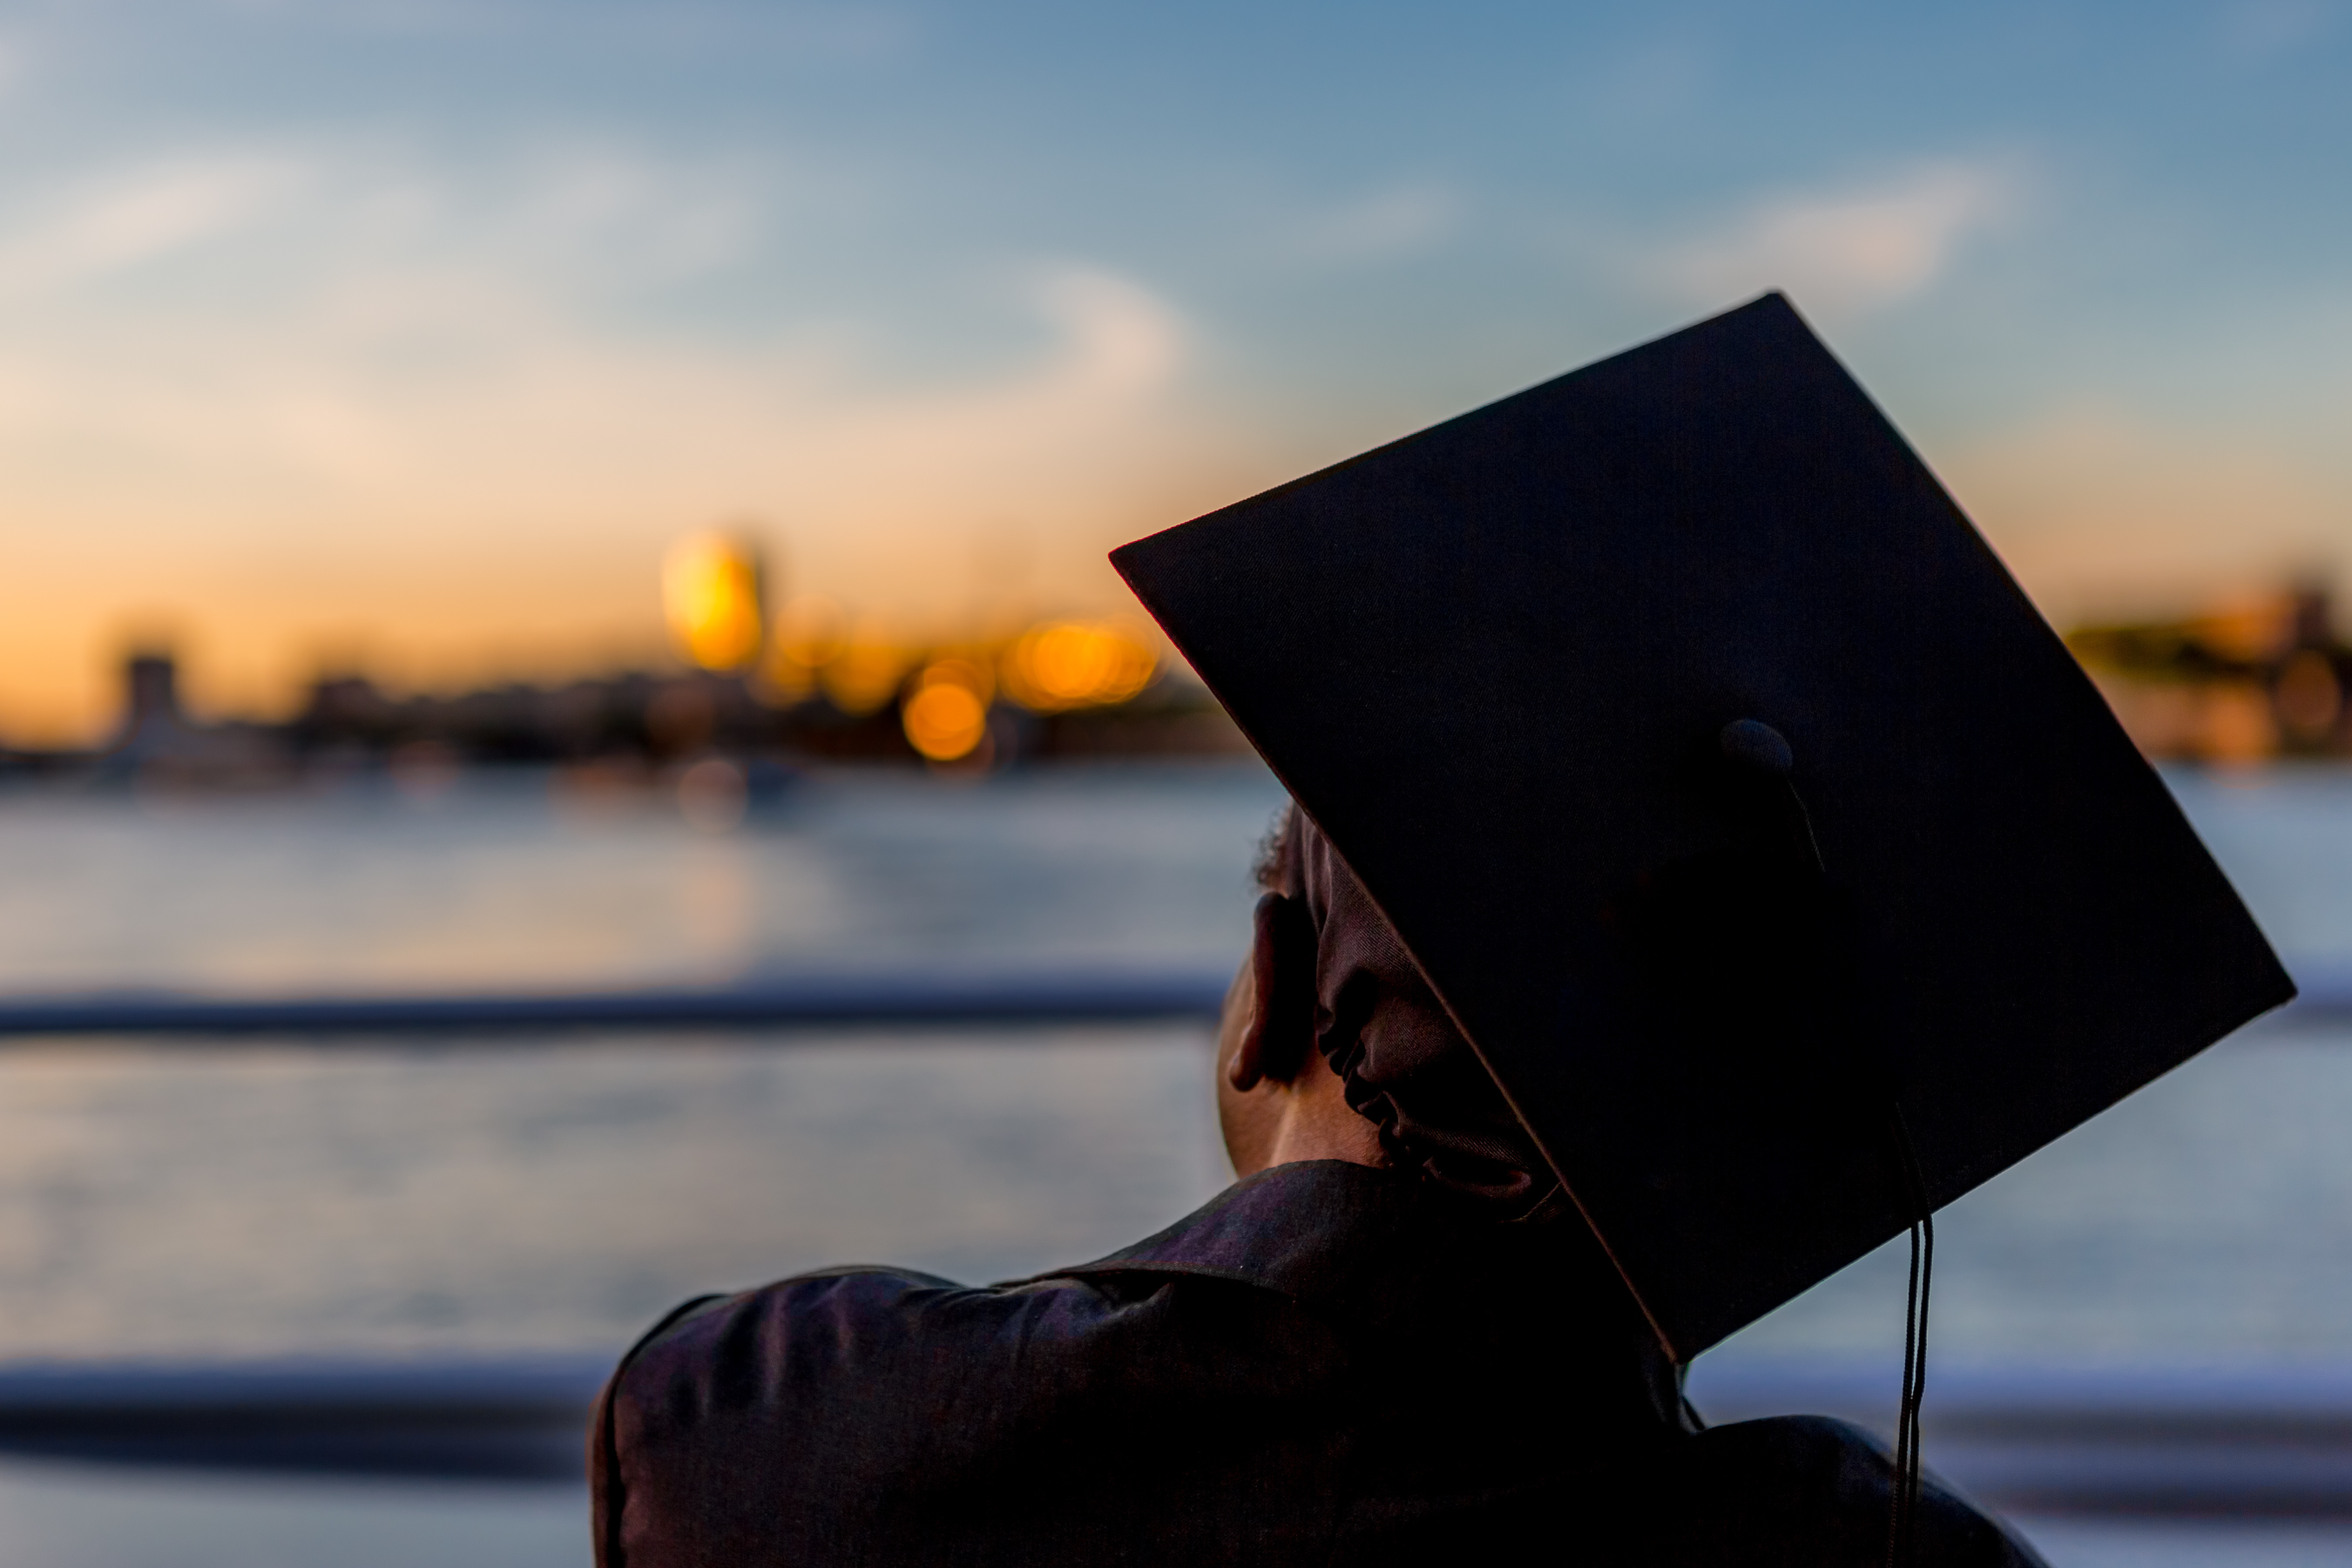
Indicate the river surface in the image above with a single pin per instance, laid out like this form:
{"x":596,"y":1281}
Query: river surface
{"x":460,"y":1195}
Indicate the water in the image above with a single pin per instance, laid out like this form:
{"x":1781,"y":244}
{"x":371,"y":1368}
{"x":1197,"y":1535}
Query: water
{"x":459,"y":1196}
{"x":512,"y":881}
{"x":486,"y":1197}
{"x":64,"y":1516}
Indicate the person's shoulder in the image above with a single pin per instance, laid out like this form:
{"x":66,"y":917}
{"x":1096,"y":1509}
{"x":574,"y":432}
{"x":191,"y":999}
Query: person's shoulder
{"x":1811,"y":1491}
{"x":1219,"y":1304}
{"x":832,"y":1318}
{"x":878,"y":1406}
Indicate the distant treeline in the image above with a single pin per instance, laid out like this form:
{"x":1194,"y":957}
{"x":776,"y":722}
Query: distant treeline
{"x":2261,"y":676}
{"x":638,"y":722}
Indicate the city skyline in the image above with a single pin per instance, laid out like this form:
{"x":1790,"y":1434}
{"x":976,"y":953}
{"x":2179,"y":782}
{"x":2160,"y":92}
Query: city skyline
{"x":408,"y":336}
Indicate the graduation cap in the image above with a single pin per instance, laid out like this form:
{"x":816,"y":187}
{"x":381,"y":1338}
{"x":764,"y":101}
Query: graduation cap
{"x":1775,"y":857}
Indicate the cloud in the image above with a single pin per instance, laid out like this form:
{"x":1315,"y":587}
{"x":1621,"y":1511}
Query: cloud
{"x":467,"y":409}
{"x":454,"y":345}
{"x":1859,"y":247}
{"x":1394,"y":222}
{"x":1123,"y":340}
{"x":1030,"y":438}
{"x":138,"y":217}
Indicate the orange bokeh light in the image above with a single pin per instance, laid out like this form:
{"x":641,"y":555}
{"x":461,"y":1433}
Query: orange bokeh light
{"x":865,"y":670}
{"x":1074,"y":663}
{"x":711,"y":593}
{"x":945,"y":719}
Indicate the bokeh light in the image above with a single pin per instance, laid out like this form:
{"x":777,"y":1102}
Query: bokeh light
{"x":809,"y":632}
{"x":712,"y":594}
{"x":1077,"y":664}
{"x":971,"y":671}
{"x":865,"y":670}
{"x":945,"y":719}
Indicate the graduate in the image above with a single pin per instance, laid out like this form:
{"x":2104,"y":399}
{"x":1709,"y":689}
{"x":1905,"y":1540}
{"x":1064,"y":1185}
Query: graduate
{"x":1704,"y":864}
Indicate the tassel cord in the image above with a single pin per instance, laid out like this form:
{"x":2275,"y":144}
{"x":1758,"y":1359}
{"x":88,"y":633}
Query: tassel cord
{"x":1902,"y":1531}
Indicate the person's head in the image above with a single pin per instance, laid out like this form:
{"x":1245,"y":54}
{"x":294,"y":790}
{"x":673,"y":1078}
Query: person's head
{"x":1334,"y":1046}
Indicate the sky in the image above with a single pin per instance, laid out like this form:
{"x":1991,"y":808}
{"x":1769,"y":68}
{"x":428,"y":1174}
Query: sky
{"x":405,"y":335}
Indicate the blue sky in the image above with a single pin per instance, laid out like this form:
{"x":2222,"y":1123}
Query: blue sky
{"x":412,"y":331}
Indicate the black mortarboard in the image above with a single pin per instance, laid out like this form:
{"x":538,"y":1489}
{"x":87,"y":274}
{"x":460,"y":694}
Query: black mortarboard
{"x":1727,"y":789}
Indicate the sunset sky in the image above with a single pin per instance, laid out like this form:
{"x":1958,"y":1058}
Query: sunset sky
{"x":405,"y":334}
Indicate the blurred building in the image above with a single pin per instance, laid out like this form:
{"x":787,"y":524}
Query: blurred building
{"x":151,"y":695}
{"x":1057,"y":690}
{"x":757,"y":692}
{"x":2250,"y":678}
{"x":155,"y":742}
{"x":760,"y":689}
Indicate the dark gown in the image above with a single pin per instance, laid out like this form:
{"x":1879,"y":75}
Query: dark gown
{"x":1327,"y":1364}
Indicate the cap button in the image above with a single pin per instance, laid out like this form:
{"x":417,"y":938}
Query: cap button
{"x":1753,"y":743}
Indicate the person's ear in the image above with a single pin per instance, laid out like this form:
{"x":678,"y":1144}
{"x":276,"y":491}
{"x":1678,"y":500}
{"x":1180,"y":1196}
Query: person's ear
{"x":1238,"y":1035}
{"x":1281,"y":1029}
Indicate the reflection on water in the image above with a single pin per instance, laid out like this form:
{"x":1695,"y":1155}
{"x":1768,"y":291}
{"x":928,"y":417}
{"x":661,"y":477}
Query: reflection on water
{"x":491,"y":1196}
{"x":504,"y":881}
